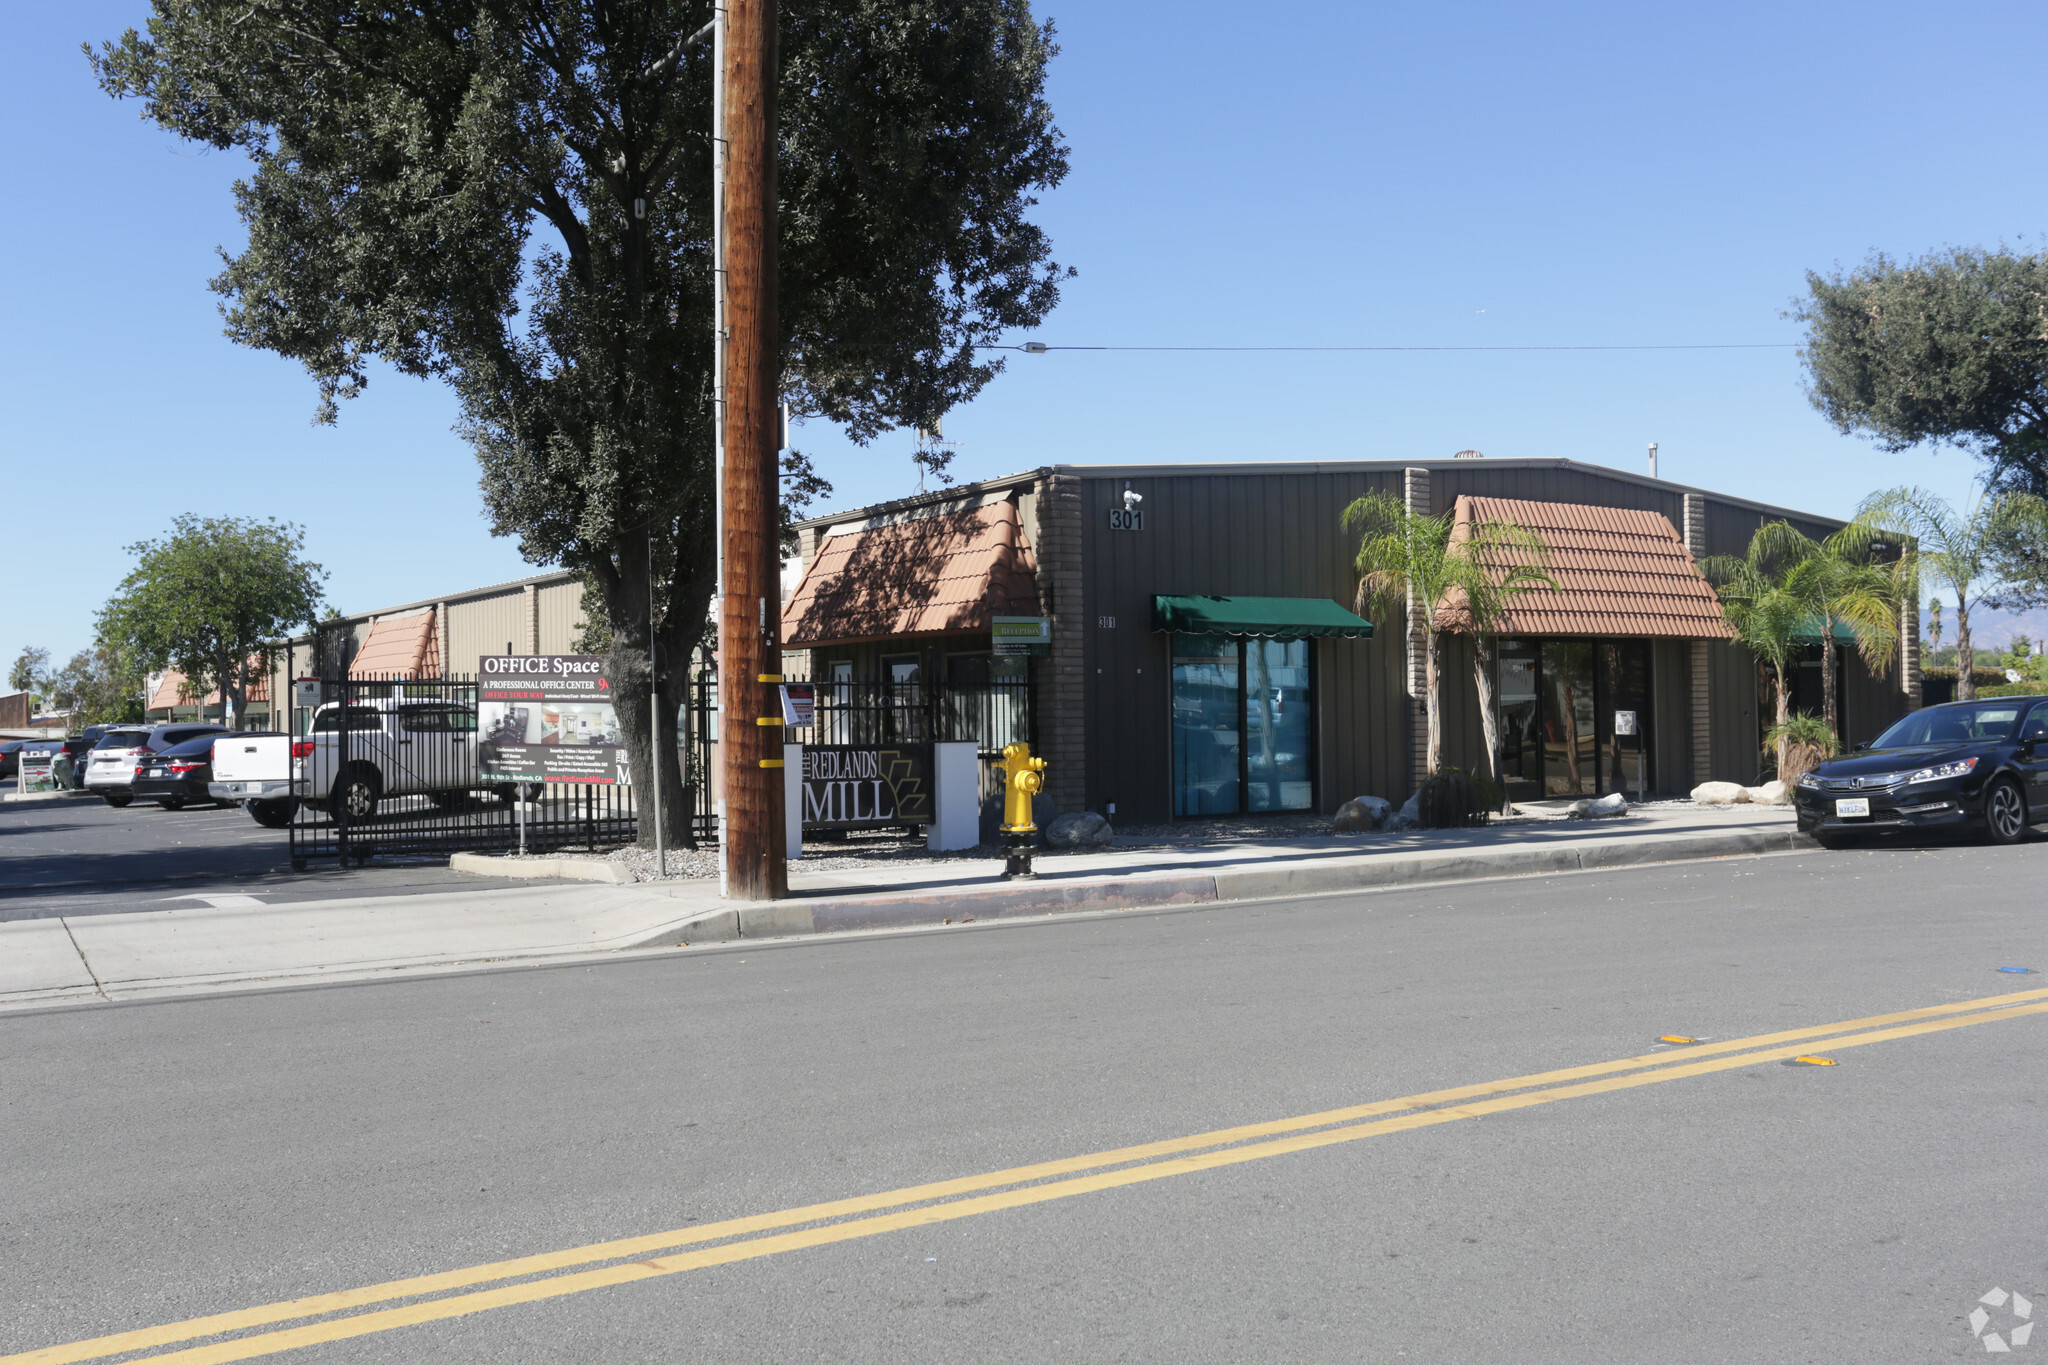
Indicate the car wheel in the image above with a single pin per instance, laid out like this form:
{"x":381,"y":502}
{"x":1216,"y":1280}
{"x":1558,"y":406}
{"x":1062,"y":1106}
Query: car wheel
{"x":171,"y":802}
{"x":271,"y":814}
{"x":355,"y":797}
{"x":117,"y":799}
{"x":2005,"y":813}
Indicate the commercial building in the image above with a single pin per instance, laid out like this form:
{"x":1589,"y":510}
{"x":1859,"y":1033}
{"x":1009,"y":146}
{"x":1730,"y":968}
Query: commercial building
{"x":1202,"y":658}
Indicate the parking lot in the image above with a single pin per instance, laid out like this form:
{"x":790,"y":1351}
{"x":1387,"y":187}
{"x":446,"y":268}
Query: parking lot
{"x":76,"y":855}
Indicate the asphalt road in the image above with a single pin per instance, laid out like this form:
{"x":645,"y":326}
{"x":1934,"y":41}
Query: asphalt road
{"x":80,"y":856}
{"x":175,"y":1159}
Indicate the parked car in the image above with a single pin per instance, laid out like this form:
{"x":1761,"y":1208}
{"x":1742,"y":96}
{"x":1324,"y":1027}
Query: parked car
{"x":178,"y":776}
{"x":396,"y":747}
{"x":253,"y":768}
{"x":120,"y":750}
{"x":10,"y":758}
{"x":1975,"y":765}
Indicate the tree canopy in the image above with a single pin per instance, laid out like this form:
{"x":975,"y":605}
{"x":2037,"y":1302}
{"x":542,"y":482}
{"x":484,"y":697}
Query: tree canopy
{"x":1949,"y":349}
{"x":515,"y":196}
{"x":213,"y":600}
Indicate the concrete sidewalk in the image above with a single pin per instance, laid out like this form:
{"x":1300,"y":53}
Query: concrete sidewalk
{"x":159,"y":951}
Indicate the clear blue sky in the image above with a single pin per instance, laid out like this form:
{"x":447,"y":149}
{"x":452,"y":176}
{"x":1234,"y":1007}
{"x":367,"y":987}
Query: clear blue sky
{"x":1328,"y":174}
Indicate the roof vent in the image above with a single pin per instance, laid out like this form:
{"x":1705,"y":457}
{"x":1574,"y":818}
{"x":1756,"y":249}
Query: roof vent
{"x":1469,"y":455}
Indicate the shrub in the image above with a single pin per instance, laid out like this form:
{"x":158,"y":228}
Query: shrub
{"x":2019,"y":689}
{"x":1808,"y":744}
{"x":1452,"y":798}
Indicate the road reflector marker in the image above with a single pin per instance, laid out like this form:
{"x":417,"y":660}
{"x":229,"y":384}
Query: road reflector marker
{"x":1678,"y":1038}
{"x":1812,"y":1061}
{"x":2018,"y":971}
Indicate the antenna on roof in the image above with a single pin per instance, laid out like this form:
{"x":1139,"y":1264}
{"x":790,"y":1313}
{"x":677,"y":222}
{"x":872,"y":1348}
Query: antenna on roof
{"x":1653,"y":459}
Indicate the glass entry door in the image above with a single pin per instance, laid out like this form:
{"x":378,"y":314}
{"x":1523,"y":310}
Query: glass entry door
{"x":1242,"y":728}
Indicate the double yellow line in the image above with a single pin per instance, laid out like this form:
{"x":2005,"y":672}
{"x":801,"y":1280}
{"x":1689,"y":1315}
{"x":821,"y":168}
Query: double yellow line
{"x":642,"y":1258}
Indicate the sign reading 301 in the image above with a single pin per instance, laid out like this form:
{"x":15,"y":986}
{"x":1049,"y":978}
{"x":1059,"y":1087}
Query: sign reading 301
{"x":1126,"y":519}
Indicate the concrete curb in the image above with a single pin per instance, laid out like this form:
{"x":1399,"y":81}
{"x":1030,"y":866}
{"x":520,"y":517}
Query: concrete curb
{"x":801,"y":915}
{"x":569,"y":869}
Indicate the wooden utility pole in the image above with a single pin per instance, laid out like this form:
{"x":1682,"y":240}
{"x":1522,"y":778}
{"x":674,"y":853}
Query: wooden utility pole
{"x":750,"y":616}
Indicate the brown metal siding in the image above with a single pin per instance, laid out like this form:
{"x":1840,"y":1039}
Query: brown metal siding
{"x":1272,"y":535}
{"x":1671,"y":702}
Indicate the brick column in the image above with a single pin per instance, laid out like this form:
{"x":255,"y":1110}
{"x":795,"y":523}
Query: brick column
{"x":532,"y":619}
{"x":1415,"y":495}
{"x":1695,"y":533}
{"x":1058,"y":683}
{"x":441,"y":638}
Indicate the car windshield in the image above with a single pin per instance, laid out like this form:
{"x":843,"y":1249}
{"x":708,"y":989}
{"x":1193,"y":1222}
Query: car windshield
{"x":1965,"y":723}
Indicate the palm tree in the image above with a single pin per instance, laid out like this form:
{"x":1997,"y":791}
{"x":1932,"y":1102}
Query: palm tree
{"x":1462,"y":577}
{"x":1956,"y":549}
{"x":1843,"y":583}
{"x":1768,"y":618}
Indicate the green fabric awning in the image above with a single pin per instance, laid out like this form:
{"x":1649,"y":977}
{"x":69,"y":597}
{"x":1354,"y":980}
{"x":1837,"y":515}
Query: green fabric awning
{"x":1265,"y":617}
{"x":1809,"y":631}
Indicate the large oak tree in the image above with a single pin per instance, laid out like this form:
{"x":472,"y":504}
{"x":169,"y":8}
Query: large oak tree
{"x":514,"y":196}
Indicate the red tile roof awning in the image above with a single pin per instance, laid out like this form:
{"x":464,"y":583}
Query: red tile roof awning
{"x":171,"y":687}
{"x":942,"y":574}
{"x":400,"y":647}
{"x":1619,"y":571}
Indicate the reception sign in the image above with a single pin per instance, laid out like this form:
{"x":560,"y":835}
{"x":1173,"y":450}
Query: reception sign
{"x":854,"y":785}
{"x":547,"y":718}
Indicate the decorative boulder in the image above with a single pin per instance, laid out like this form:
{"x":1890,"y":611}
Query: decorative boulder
{"x":1720,"y":794}
{"x":1362,"y":813}
{"x":1770,"y":794}
{"x":1408,"y":817}
{"x":1079,"y":829}
{"x":1602,"y":808}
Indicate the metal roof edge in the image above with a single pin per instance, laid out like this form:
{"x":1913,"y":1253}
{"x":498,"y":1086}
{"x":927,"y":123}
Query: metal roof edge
{"x":1201,"y":468}
{"x":446,"y":599}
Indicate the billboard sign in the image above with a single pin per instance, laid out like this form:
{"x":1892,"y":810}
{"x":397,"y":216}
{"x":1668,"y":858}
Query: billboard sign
{"x":860,"y":785}
{"x":547,"y":718}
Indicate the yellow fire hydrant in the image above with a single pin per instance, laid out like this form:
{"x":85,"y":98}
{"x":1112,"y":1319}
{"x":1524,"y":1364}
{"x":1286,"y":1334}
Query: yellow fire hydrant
{"x":1021,"y":782}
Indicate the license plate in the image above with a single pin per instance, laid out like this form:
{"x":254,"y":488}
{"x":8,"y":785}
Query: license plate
{"x":1852,"y":805}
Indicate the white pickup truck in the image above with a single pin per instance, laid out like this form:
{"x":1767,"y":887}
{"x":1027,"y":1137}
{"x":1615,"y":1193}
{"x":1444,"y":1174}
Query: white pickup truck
{"x":395,"y":747}
{"x":255,"y":770}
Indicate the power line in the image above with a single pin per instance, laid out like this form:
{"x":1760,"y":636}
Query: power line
{"x":1039,"y":347}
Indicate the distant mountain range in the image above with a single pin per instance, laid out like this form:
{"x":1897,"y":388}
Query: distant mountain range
{"x":1991,"y":629}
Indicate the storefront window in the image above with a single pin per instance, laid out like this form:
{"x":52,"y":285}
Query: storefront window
{"x":1558,"y":704}
{"x":1242,"y":734}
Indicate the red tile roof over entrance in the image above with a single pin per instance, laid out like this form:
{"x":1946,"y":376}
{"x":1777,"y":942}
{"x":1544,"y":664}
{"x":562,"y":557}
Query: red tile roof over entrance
{"x":401,"y":647}
{"x":943,"y":574}
{"x":1618,"y":572}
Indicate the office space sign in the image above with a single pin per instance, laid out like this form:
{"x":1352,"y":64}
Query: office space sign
{"x":547,"y":718}
{"x":848,"y":785}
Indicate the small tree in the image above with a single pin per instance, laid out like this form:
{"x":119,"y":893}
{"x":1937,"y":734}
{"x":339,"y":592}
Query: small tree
{"x":1956,"y":550}
{"x":1843,"y":583}
{"x":212,"y":600}
{"x":31,"y":670}
{"x":100,"y":685}
{"x":1770,"y":620}
{"x":1455,"y":578}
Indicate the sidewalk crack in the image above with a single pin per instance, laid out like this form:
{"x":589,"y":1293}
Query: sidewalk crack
{"x":84,"y":961}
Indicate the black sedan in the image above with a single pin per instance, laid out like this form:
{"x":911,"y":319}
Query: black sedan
{"x":1966,"y":765}
{"x":177,"y":776}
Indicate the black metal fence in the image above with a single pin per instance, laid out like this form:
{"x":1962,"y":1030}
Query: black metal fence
{"x":389,"y":766}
